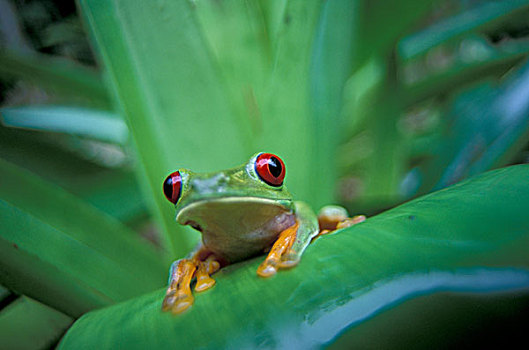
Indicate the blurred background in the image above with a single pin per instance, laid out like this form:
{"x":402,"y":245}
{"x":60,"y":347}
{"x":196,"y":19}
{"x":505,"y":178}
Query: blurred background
{"x":370,"y":104}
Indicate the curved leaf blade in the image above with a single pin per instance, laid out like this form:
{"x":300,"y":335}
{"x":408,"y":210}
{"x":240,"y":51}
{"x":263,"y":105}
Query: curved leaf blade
{"x":53,"y":239}
{"x":471,"y":237}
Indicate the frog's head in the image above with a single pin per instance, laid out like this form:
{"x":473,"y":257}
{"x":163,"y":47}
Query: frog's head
{"x":253,"y":191}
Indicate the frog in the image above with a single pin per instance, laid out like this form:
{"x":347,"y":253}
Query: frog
{"x":241,"y":212}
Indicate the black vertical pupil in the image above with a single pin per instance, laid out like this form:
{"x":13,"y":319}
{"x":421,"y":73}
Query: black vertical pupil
{"x":274,"y":166}
{"x":168,"y":187}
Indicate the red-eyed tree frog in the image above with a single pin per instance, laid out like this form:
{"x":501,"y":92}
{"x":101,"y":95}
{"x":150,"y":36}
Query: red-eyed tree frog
{"x":241,"y":212}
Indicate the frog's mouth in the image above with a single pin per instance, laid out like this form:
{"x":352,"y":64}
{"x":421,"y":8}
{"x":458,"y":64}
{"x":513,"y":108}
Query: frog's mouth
{"x":231,"y":213}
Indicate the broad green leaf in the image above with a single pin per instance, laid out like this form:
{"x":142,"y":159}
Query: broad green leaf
{"x":236,"y":33}
{"x":68,"y":247}
{"x":61,"y":75}
{"x":479,"y":17}
{"x":164,"y":79}
{"x":471,"y":237}
{"x":96,"y":124}
{"x":332,"y":63}
{"x":274,"y":14}
{"x":28,"y":324}
{"x":46,"y":282}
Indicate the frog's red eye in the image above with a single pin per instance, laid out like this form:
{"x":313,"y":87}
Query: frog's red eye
{"x":172,"y":187}
{"x":270,"y":169}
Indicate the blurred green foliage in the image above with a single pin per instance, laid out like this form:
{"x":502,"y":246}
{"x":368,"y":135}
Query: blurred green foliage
{"x":370,"y":104}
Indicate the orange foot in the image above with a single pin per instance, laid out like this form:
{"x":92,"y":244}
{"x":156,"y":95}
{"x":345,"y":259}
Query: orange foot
{"x":179,"y":297}
{"x":280,"y":256}
{"x":331,"y":218}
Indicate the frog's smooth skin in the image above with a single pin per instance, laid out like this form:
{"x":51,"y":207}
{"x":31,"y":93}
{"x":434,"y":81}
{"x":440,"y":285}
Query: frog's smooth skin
{"x":241,"y":212}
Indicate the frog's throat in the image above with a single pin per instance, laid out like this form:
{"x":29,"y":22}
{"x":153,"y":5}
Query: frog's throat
{"x":287,"y":204}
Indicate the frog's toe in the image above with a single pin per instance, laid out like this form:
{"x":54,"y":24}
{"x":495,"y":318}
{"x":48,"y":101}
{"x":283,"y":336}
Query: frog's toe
{"x":177,"y":301}
{"x":267,"y":269}
{"x":182,"y":303}
{"x":204,"y":283}
{"x":169,"y":301}
{"x":330,"y":215}
{"x":351,"y":221}
{"x":205,"y":269}
{"x":289,"y":260}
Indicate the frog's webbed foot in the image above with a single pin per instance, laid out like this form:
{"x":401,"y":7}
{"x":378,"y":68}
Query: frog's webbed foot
{"x":291,"y":243}
{"x":179,"y":297}
{"x":281,"y":254}
{"x":333,"y":217}
{"x":205,"y":269}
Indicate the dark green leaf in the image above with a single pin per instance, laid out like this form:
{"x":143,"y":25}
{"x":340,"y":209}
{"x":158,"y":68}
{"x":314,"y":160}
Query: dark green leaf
{"x":472,"y":237}
{"x":55,"y":240}
{"x":28,"y":324}
{"x":453,"y":27}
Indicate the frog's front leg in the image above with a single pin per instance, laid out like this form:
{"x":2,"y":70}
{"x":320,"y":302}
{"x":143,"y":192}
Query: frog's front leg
{"x":200,"y":265}
{"x":287,"y":250}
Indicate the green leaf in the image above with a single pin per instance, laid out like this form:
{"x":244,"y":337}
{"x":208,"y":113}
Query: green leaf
{"x":95,"y":124}
{"x":164,"y":79}
{"x":489,"y":125}
{"x":115,"y":193}
{"x":471,"y":237}
{"x":237,"y":35}
{"x":374,"y":141}
{"x":286,"y":102}
{"x":65,"y":253}
{"x":28,"y":324}
{"x":332,"y":64}
{"x":63,"y":76}
{"x":453,"y":27}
